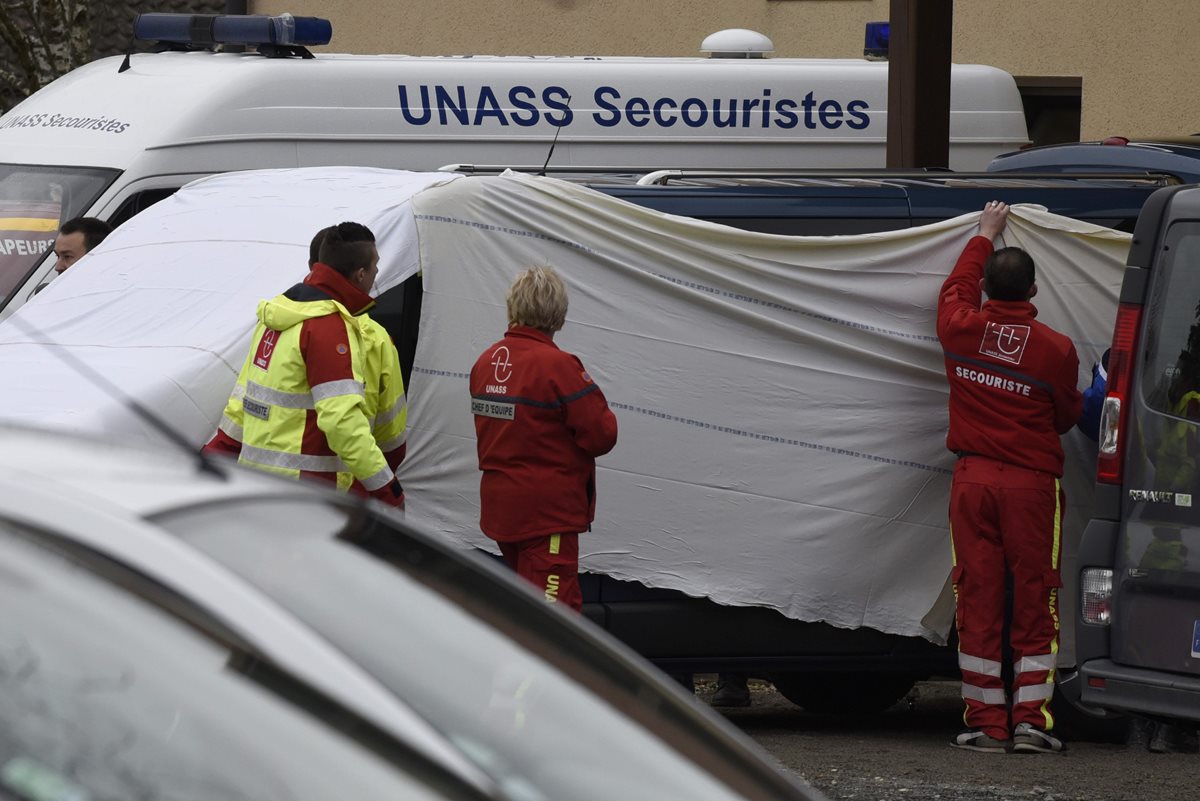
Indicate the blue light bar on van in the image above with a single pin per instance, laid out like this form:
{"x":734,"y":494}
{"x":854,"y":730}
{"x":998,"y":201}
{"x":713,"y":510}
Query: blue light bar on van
{"x":876,"y":45}
{"x":247,"y":29}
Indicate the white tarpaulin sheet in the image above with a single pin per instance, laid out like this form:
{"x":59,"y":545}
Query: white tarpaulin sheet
{"x":164,"y":308}
{"x":781,"y":400}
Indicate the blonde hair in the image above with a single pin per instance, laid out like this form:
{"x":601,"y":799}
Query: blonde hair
{"x":538,"y":299}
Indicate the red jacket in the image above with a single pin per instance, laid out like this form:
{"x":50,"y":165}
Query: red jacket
{"x":1012,"y":379}
{"x":540,"y":422}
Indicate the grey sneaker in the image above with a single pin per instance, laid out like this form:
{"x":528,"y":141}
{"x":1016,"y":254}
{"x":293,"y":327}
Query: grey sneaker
{"x":1028,"y":739}
{"x":732,"y":690}
{"x":978,"y":740}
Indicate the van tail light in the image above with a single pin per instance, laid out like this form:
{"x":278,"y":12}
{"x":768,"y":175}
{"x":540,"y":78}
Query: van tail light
{"x":1095,"y":585}
{"x":1116,"y":402}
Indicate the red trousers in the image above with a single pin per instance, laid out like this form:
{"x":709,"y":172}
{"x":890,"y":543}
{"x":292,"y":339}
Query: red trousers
{"x":551,"y":563}
{"x":1005,"y":518}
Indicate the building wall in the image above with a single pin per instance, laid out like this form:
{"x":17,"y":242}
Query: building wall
{"x":1139,"y":75}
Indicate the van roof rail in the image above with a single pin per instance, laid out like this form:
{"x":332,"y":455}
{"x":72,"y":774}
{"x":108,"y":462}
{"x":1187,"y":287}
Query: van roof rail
{"x":663,"y":177}
{"x":493,"y":169}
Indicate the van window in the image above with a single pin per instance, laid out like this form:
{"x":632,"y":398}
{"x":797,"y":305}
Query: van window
{"x":1171,"y":379}
{"x":136,"y":204}
{"x":34,"y":201}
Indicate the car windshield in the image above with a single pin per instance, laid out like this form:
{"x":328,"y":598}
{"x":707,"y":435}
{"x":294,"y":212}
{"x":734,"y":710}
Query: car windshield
{"x":542,"y":708}
{"x":34,"y":201}
{"x":106,"y":696}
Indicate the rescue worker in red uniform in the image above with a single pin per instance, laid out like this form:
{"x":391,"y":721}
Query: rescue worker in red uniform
{"x":320,"y":394}
{"x":540,"y":423}
{"x":1012,"y":394}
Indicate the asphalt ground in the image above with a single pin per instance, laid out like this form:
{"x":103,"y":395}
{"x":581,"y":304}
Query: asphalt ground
{"x":904,"y":754}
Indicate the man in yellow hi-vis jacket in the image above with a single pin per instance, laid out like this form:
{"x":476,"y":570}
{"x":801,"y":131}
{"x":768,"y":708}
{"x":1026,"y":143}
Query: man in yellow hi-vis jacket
{"x":320,"y":393}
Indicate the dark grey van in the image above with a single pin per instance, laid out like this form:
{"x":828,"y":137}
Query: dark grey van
{"x":1138,"y":638}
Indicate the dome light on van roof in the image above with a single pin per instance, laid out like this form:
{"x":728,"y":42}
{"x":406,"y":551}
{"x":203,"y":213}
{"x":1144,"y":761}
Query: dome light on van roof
{"x":203,"y":30}
{"x":737,"y":43}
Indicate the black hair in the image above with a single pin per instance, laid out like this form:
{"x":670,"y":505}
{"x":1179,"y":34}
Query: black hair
{"x":347,"y":247}
{"x":94,"y":230}
{"x":1008,"y":274}
{"x":314,"y":247}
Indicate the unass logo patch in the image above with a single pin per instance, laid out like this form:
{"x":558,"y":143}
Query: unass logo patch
{"x":1005,"y":342}
{"x":265,"y":349}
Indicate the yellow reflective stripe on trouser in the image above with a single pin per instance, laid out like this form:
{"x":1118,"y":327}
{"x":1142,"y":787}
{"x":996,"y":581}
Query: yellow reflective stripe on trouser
{"x":555,"y":543}
{"x":1057,"y":524}
{"x":1058,"y":514}
{"x":1045,"y":691}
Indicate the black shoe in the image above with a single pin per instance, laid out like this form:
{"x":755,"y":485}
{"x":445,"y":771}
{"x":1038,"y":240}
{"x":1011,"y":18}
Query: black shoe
{"x":1171,"y":738}
{"x":686,"y":680}
{"x":1139,"y":734}
{"x":732,"y":690}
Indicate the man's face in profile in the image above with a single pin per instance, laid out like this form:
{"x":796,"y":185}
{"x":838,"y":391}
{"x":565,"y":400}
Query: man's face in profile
{"x":68,"y":248}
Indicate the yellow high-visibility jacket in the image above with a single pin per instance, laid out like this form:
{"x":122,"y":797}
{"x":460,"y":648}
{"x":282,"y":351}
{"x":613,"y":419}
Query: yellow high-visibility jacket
{"x":320,"y":393}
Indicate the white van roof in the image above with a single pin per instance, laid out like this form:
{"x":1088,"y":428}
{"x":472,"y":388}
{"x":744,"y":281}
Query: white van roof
{"x":101,"y":116}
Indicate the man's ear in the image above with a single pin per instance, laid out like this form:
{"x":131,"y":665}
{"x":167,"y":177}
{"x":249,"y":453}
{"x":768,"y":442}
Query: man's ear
{"x":1032,"y":291}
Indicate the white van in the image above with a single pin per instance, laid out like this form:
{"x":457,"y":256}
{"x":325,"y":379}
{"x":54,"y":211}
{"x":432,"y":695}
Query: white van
{"x":111,"y":138}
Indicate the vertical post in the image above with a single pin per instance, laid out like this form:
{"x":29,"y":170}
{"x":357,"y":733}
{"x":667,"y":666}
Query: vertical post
{"x":919,"y":44}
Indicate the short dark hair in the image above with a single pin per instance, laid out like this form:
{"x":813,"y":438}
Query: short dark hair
{"x":314,"y":247}
{"x":347,"y":247}
{"x":1008,"y":274}
{"x":94,"y":230}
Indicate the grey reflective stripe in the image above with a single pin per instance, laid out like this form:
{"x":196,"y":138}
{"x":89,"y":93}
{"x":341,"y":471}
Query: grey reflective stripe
{"x":1033,"y":664}
{"x":390,"y":415}
{"x":379,"y":480}
{"x":231,"y":428}
{"x":984,"y":695}
{"x":1034,"y":692}
{"x":277,"y":397}
{"x":975,"y":664}
{"x":238,"y":392}
{"x":394,"y":442}
{"x":293,"y":461}
{"x":336,"y":389}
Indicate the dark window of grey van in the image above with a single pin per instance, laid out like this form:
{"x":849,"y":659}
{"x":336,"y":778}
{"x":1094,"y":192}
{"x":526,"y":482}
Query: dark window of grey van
{"x":1171,"y":378}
